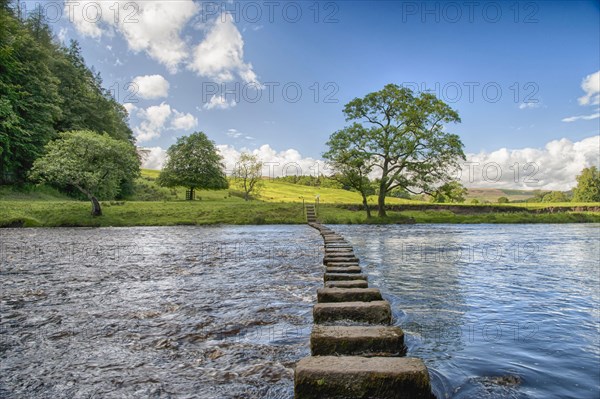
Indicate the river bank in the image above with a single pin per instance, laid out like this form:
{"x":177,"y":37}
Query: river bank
{"x":174,"y":213}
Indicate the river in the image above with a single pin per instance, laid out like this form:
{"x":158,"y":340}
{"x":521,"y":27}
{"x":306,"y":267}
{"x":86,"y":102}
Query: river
{"x":495,"y":311}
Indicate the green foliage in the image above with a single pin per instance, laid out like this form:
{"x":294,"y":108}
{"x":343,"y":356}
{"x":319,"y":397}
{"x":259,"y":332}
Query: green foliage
{"x":588,"y":186}
{"x":84,"y":103}
{"x":247,"y":174}
{"x":28,"y":95}
{"x":352,"y":169}
{"x":46,"y":89}
{"x":449,"y":192}
{"x":474,"y":201}
{"x":311,"y":181}
{"x":401,"y":135}
{"x":503,"y":200}
{"x":555,"y":196}
{"x":193,"y":162}
{"x":94,"y":164}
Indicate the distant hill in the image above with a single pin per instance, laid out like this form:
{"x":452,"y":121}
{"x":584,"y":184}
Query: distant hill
{"x":492,"y":194}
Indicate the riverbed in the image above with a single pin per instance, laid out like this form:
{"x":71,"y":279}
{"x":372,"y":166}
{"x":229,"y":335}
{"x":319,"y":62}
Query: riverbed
{"x":495,"y":311}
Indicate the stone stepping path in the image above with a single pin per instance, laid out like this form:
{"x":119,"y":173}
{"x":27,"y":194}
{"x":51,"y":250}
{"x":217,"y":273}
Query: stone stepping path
{"x":356,"y":353}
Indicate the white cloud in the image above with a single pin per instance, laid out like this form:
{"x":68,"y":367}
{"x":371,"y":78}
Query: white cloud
{"x":582,"y":117}
{"x":153,"y":157}
{"x":62,"y":34}
{"x":153,"y":122}
{"x":219,"y":102}
{"x":554,"y":167}
{"x":131,"y":108}
{"x":234,"y":133}
{"x":276,"y":163}
{"x":183,"y":121}
{"x":151,"y":26}
{"x":220,"y":56}
{"x":151,"y":86}
{"x":591,"y":86}
{"x":529,"y":105}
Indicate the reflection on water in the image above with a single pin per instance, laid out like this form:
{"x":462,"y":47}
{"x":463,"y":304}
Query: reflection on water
{"x":224,"y":312}
{"x":203,"y":312}
{"x":495,"y":311}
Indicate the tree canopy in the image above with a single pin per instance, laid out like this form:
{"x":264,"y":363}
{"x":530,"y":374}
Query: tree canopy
{"x":352,"y":169}
{"x":193,"y":162}
{"x":247,"y":174}
{"x":401,"y":135}
{"x":588,"y":186}
{"x":450,"y":192}
{"x":555,"y":196}
{"x":45,"y":89}
{"x":94,"y":164}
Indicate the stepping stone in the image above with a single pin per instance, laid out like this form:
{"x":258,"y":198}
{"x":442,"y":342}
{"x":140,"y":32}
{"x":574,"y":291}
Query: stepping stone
{"x":348,"y":295}
{"x":340,"y":257}
{"x":344,"y":276}
{"x":351,"y":259}
{"x":357,"y":341}
{"x":375,"y":312}
{"x":347,"y":284}
{"x":335,"y":377}
{"x":329,"y":253}
{"x":342,"y":264}
{"x":350,"y":269}
{"x":339,"y":250}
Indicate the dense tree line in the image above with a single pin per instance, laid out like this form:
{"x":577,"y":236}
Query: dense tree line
{"x":45,"y":89}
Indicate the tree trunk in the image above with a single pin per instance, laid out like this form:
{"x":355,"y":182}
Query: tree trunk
{"x":366,"y":205}
{"x":381,"y":199}
{"x":246,"y":196}
{"x":192,"y":193}
{"x":96,"y":210}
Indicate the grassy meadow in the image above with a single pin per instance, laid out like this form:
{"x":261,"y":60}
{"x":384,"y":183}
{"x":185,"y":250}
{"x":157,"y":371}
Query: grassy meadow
{"x":278,"y":202}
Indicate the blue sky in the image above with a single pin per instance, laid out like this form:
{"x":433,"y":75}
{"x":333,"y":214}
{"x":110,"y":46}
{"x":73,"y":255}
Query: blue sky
{"x":515,"y":71}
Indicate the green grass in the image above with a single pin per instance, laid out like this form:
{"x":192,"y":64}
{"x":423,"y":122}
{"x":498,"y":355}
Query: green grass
{"x":337,"y":215}
{"x":235,"y":211}
{"x":74,"y":213}
{"x":279,"y":191}
{"x":278,"y":202}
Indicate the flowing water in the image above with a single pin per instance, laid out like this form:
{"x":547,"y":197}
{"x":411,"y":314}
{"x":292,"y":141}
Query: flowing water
{"x":225,"y":312}
{"x":496,"y":311}
{"x":158,"y":312}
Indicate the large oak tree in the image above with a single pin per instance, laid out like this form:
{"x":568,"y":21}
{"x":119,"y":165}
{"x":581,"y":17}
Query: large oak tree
{"x":402,"y":136}
{"x":193,"y":162}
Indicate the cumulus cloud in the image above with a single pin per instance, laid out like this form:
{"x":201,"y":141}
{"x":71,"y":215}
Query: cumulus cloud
{"x":153,"y":122}
{"x":553,"y":167}
{"x":220,"y":56}
{"x":183,"y":121}
{"x":219,"y":102}
{"x":276,"y":163}
{"x":153,"y":157}
{"x":591,"y":86}
{"x":151,"y":86}
{"x":151,"y":26}
{"x":155,"y":119}
{"x":131,"y":108}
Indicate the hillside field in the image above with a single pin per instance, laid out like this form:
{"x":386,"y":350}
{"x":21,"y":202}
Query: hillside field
{"x":277,"y":203}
